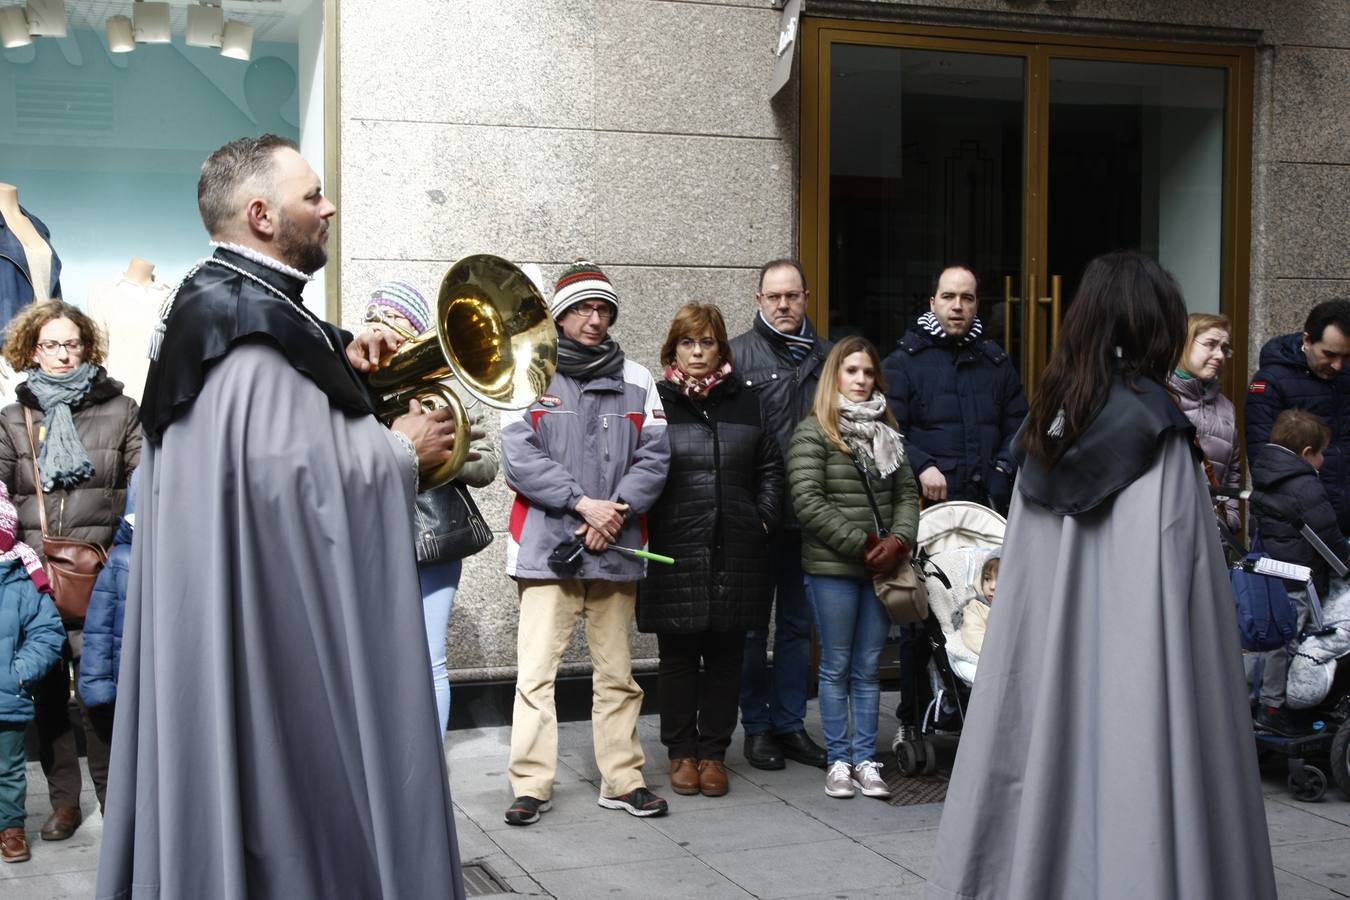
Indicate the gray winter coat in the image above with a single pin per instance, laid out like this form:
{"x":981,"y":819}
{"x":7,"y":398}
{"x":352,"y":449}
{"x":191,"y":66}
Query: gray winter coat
{"x":604,"y":439}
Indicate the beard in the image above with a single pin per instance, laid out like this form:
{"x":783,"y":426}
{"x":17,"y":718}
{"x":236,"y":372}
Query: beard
{"x":306,"y":254}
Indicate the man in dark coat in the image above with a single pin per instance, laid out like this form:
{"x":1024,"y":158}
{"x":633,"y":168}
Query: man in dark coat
{"x":1307,"y":371}
{"x":959,"y":401}
{"x":273,"y":608}
{"x":780,"y":358}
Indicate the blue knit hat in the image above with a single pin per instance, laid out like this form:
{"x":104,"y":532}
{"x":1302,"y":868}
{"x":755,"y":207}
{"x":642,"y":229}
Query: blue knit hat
{"x":403,"y":298}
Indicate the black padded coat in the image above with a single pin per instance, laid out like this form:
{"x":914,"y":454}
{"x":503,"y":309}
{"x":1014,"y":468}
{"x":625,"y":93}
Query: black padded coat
{"x":722,"y":498}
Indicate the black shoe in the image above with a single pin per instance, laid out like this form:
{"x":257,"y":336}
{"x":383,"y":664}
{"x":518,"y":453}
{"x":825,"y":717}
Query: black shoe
{"x":799,"y":747}
{"x":762,"y":751}
{"x":526,"y":811}
{"x":637,"y":802}
{"x":1276,"y":720}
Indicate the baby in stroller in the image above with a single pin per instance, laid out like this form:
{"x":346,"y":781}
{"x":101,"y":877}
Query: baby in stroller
{"x":958,"y":555}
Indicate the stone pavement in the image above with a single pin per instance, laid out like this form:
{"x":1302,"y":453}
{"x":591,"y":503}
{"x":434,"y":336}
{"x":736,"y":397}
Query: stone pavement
{"x":775,"y":835}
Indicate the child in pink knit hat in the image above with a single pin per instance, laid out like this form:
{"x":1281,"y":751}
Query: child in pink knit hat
{"x":31,"y":635}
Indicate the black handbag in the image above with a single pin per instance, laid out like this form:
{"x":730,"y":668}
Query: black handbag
{"x":449,"y":525}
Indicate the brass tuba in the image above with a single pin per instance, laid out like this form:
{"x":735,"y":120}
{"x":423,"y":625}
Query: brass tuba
{"x":493,"y":338}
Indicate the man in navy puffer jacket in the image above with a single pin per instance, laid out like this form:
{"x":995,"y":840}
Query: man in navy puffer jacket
{"x":957,"y":397}
{"x":1307,"y":371}
{"x":959,"y":401}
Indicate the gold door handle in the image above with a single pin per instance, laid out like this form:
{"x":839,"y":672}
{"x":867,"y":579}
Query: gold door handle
{"x":1053,"y":301}
{"x":1033,"y":315}
{"x":1008,"y":301}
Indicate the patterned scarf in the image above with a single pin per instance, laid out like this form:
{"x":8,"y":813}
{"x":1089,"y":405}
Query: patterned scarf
{"x":863,"y":427}
{"x":929,"y":323}
{"x":797,"y":345}
{"x":13,"y":548}
{"x":696,"y":387}
{"x":63,"y":459}
{"x":584,"y":362}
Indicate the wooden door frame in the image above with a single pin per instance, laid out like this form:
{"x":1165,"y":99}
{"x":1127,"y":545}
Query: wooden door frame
{"x":1037,"y":49}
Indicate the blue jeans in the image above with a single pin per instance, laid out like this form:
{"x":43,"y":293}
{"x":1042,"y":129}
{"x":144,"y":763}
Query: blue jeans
{"x":439,"y":583}
{"x":853,"y":626}
{"x":13,"y":777}
{"x":778,"y":704}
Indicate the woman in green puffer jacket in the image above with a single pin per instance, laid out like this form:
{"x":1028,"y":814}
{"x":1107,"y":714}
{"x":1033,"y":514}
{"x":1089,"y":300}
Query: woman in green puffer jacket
{"x":851,"y":432}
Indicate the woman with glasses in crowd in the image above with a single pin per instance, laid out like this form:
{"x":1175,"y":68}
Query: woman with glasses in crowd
{"x":1195,"y":382}
{"x":722,"y":498}
{"x":88,"y":443}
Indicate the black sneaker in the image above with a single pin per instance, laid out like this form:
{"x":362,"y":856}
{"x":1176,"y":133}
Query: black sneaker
{"x":526,"y":811}
{"x":637,"y":802}
{"x":1277,"y":720}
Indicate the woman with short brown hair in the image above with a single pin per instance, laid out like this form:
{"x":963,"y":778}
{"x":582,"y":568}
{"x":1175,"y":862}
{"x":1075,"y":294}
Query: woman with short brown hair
{"x":721,"y":499}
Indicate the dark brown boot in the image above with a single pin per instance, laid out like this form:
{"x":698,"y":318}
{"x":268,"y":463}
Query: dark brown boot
{"x":684,"y":775}
{"x":712,"y":777}
{"x":61,"y":824}
{"x":14,"y":846}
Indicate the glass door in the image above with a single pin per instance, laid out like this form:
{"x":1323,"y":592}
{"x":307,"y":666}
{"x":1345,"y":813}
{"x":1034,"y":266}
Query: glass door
{"x":1020,"y":156}
{"x":926,"y":167}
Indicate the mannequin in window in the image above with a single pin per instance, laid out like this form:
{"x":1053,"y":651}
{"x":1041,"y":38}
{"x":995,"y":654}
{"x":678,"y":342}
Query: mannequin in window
{"x":29,"y":267}
{"x":128,"y":307}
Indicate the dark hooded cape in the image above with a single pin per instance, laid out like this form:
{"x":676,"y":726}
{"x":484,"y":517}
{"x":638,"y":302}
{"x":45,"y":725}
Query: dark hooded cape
{"x":216,"y":309}
{"x":275,"y":733}
{"x":1107,"y":750}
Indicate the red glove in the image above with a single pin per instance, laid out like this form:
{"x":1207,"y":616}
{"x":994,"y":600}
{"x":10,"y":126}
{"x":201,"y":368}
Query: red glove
{"x":884,"y":556}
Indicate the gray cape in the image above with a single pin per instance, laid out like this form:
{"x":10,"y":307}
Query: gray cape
{"x":1108,"y":750}
{"x":275,"y":734}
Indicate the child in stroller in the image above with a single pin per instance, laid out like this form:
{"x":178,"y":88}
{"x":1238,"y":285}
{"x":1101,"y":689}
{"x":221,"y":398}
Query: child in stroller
{"x":956,"y":543}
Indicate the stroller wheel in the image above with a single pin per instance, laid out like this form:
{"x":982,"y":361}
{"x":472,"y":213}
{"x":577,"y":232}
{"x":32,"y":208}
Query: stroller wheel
{"x":1340,"y":757}
{"x":909,"y":757}
{"x":1308,"y":785}
{"x":929,"y":758}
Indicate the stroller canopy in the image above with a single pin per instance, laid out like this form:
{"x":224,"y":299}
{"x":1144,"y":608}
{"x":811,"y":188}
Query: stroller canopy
{"x":958,"y":524}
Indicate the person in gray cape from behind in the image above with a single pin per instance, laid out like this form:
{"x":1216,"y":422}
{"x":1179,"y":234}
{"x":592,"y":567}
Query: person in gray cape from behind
{"x":275,"y":734}
{"x":1108,"y":749}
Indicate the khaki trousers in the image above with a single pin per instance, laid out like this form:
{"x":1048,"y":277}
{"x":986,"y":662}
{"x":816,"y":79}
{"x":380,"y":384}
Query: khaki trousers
{"x":548,"y":616}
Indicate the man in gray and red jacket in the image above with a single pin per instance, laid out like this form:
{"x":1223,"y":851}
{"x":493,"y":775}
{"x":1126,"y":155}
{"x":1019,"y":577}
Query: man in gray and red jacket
{"x":586,"y":461}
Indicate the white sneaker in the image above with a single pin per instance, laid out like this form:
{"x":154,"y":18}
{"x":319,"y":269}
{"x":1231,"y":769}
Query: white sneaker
{"x":867,"y":778}
{"x":839,"y":780}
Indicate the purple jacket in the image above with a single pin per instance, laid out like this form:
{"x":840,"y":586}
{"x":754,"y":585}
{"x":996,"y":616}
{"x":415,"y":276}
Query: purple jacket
{"x":1215,"y":422}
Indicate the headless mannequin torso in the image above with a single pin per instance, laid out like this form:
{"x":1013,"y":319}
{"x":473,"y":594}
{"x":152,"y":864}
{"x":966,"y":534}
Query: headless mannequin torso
{"x":35,"y":247}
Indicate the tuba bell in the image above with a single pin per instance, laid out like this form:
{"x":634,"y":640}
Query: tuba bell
{"x":493,"y":339}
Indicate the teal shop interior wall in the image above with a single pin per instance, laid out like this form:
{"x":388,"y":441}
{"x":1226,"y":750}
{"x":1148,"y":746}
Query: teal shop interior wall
{"x":106,"y":148}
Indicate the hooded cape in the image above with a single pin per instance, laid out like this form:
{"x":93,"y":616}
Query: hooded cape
{"x":275,"y":733}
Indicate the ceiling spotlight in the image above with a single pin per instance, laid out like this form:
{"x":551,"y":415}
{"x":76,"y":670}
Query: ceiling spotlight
{"x":121,"y":39}
{"x":204,"y":26}
{"x":14,"y":27}
{"x":150,"y":22}
{"x":237,"y":40}
{"x":47,"y":18}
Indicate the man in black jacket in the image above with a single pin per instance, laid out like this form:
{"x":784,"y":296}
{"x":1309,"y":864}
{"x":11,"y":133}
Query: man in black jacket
{"x":959,"y":401}
{"x":779,"y":358}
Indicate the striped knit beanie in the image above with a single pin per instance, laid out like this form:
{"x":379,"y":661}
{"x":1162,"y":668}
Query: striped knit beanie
{"x":403,"y":298}
{"x":582,"y":281}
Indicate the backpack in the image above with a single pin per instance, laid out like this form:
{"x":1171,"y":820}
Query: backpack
{"x":1266,"y":617}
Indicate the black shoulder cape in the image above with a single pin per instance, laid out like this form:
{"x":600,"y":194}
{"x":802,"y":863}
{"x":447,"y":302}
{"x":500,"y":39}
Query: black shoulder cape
{"x":217,"y":309}
{"x":1116,"y":448}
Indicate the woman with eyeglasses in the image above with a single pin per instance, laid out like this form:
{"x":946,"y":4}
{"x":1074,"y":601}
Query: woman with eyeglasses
{"x":721,"y":500}
{"x":88,"y":439}
{"x":1195,"y":382}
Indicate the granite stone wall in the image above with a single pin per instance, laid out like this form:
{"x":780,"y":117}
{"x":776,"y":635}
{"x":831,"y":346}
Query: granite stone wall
{"x":639,"y":134}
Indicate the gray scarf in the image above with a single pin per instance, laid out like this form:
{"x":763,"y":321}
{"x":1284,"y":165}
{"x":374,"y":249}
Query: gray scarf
{"x":63,"y":460}
{"x":863,"y":427}
{"x":584,"y":362}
